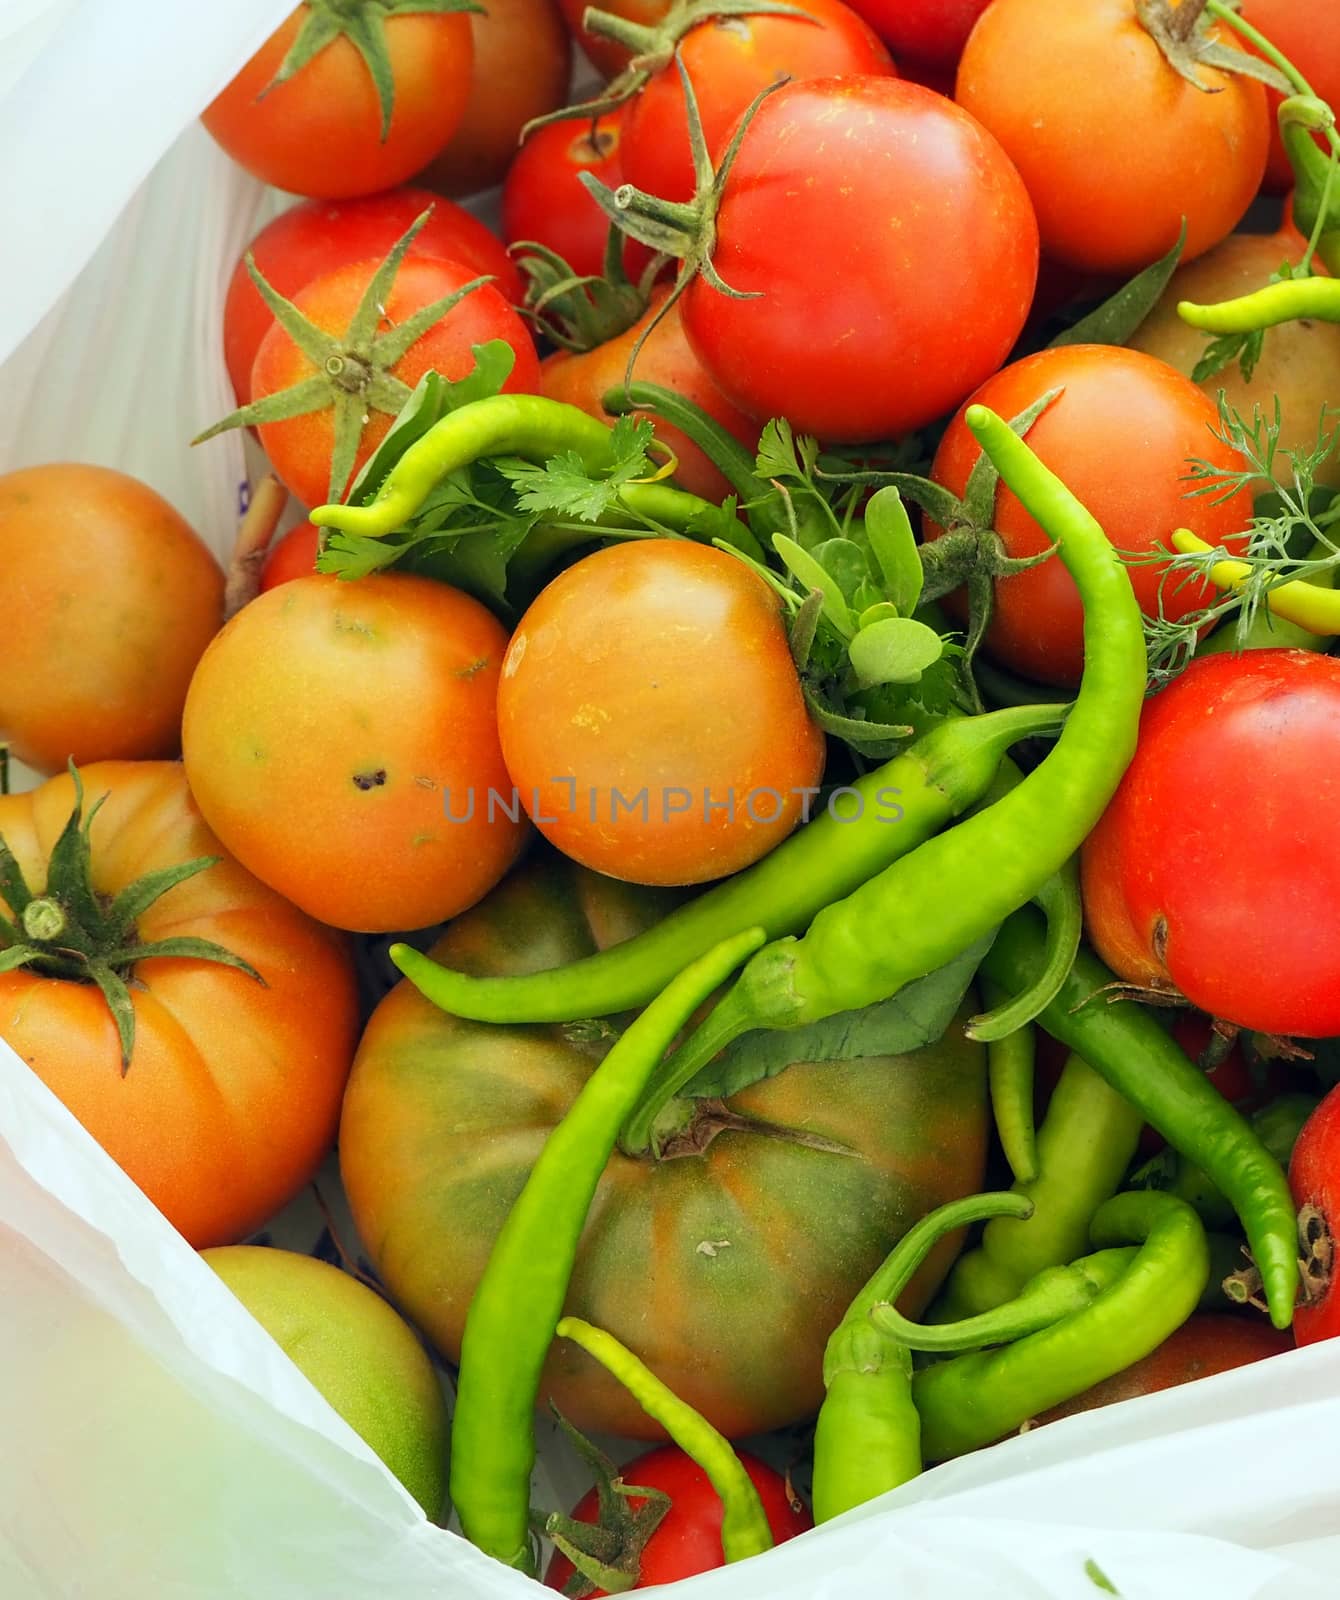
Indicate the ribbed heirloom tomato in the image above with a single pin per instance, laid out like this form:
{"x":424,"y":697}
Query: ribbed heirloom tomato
{"x":651,"y":716}
{"x":231,"y":1092}
{"x":727,"y":1263}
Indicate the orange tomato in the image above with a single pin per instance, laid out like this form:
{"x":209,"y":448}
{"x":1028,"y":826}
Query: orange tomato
{"x":336,"y":735}
{"x":233,"y":1088}
{"x":320,"y":132}
{"x":111,"y":600}
{"x":651,"y":716}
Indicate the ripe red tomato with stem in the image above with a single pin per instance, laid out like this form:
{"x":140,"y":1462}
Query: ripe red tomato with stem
{"x":604,"y":54}
{"x":729,"y":61}
{"x":543,"y":200}
{"x":348,"y":97}
{"x":1305,"y":32}
{"x":853,"y":332}
{"x":1121,"y":434}
{"x":1115,"y":145}
{"x":1214,"y":870}
{"x":687,"y":1540}
{"x":318,"y":236}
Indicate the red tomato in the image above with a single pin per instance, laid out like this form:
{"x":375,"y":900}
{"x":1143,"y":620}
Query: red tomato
{"x":1314,"y":1177}
{"x":688,"y":1538}
{"x":604,"y":54}
{"x":332,"y":736}
{"x":1202,"y":1346}
{"x":1109,"y":195}
{"x":320,"y":132}
{"x":582,"y":378}
{"x":1305,"y":31}
{"x":300,"y":448}
{"x":930,"y":33}
{"x":1214,"y":870}
{"x":317,"y":236}
{"x":1120,"y":435}
{"x":863,"y":331}
{"x":542,"y":199}
{"x":293,"y":557}
{"x":728,"y":66}
{"x":651,"y":716}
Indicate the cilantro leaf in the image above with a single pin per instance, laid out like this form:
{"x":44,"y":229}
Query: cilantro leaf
{"x":566,"y":486}
{"x":1245,"y":348}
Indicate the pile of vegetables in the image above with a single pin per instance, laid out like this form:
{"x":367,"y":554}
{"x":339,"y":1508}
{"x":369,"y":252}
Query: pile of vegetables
{"x":809,"y":657}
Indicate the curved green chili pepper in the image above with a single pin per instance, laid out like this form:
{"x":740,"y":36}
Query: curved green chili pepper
{"x":519,"y":1300}
{"x":1124,"y":1043}
{"x":1060,"y":902}
{"x":1009,"y":1064}
{"x":897,"y":807}
{"x":935,"y":903}
{"x":976,"y":1399}
{"x":868,"y":1438}
{"x":1268,"y":307}
{"x":1310,"y":606}
{"x":744,"y":1523}
{"x":722,"y":449}
{"x":1084,"y":1146}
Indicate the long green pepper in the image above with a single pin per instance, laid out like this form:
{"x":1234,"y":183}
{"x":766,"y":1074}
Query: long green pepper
{"x":938,"y":901}
{"x":516,"y":1308}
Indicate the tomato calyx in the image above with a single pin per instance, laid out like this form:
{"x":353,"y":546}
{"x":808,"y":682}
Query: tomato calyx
{"x":581,"y":311}
{"x":1316,"y":1254}
{"x":606,"y":1553}
{"x":353,"y":369}
{"x":654,"y":47}
{"x":1181,"y":33}
{"x":71,"y":931}
{"x":363,"y":24}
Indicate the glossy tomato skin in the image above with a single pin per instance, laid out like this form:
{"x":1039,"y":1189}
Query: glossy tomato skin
{"x":729,"y":63}
{"x":318,"y":236}
{"x":335,"y":734}
{"x":688,"y":1538}
{"x":319,"y":133}
{"x":543,"y":199}
{"x":233,"y":1090}
{"x":1306,"y":33}
{"x":930,"y":33}
{"x":583,"y":378}
{"x":113,"y":598}
{"x":1247,"y":935}
{"x":294,"y":556}
{"x":1110,"y":197}
{"x":658,"y":671}
{"x":726,"y":1269}
{"x":300,"y":448}
{"x":1202,"y":1346}
{"x":1314,"y":1178}
{"x":1121,"y":435}
{"x":866,"y":332}
{"x":523,"y":59}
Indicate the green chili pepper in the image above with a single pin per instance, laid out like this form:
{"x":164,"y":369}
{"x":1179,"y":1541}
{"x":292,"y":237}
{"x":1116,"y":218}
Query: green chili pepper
{"x":744,"y":1523}
{"x":976,"y":1399}
{"x":938,"y":901}
{"x":1060,"y":902}
{"x":1124,"y":1043}
{"x":1084,"y":1147}
{"x":1010,"y":1076}
{"x":868,"y":1438}
{"x":1268,"y":307}
{"x":517,"y":1305}
{"x":896,"y":807}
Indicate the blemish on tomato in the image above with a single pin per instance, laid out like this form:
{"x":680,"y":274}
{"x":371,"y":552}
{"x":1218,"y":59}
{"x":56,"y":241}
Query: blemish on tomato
{"x":370,"y":780}
{"x":472,"y":667}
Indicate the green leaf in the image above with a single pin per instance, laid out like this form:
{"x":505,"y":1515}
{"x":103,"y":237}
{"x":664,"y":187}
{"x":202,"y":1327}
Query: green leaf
{"x":845,"y":562}
{"x":1099,"y":1579}
{"x":353,"y":555}
{"x":889,"y":530}
{"x":894,"y":650}
{"x":859,"y":732}
{"x":1244,"y":348}
{"x":1120,"y":316}
{"x":917,"y":1015}
{"x":802,"y":565}
{"x":563,"y":486}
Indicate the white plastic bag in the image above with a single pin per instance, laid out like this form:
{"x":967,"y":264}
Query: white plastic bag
{"x":158,"y":1445}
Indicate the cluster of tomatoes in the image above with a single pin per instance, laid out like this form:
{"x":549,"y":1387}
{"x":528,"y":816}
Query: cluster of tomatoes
{"x":904,"y":190}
